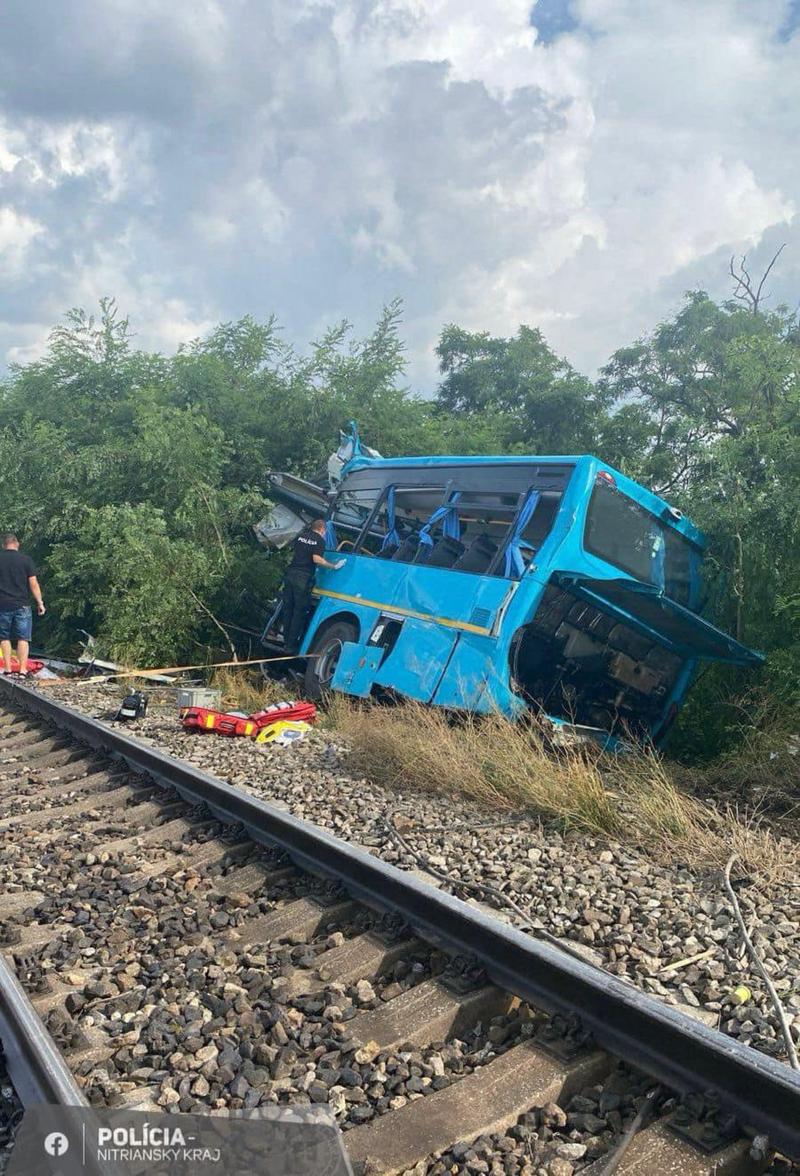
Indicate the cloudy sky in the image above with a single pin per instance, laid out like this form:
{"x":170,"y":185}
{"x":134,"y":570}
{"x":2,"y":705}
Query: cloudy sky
{"x":572,"y":164}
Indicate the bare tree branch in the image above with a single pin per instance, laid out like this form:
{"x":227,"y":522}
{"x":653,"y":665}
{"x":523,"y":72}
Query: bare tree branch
{"x":204,"y":608}
{"x":766,"y":272}
{"x":743,"y":290}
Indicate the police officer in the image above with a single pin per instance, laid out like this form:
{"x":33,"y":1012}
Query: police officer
{"x":309,"y":554}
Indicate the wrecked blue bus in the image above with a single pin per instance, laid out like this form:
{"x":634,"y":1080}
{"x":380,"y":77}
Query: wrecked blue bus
{"x":512,"y":584}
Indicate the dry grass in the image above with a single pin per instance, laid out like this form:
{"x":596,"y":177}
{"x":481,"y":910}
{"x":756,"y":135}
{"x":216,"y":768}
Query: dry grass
{"x":491,"y":761}
{"x":704,"y":834}
{"x":503,"y":765}
{"x":246,"y":690}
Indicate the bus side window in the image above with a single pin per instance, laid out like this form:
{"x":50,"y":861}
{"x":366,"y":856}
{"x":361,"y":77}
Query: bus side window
{"x":413,"y":508}
{"x":487,"y":519}
{"x":372,"y":541}
{"x":540,"y":525}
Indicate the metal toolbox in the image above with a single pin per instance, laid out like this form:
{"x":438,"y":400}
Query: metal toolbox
{"x":199,"y":696}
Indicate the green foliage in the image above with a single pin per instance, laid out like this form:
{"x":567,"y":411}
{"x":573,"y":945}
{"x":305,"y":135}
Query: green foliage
{"x":716,"y":398}
{"x":134,"y":478}
{"x":540,"y":403}
{"x":133,"y":583}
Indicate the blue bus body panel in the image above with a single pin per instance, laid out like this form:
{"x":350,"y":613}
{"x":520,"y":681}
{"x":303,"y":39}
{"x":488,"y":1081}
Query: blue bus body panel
{"x":414,"y":667}
{"x":455,"y":600}
{"x":419,"y":659}
{"x":356,"y":669}
{"x":474,"y":680}
{"x":436,"y":605}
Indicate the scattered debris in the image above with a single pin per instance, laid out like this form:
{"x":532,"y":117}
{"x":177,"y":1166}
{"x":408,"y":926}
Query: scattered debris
{"x":198,"y":696}
{"x":134,"y":706}
{"x":285,"y":722}
{"x":90,"y":664}
{"x":777,"y":1004}
{"x":34,"y":666}
{"x":284,"y":732}
{"x":294,"y":711}
{"x":636,"y":914}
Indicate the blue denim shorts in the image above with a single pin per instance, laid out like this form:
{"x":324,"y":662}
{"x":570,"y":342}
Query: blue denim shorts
{"x":16,"y":625}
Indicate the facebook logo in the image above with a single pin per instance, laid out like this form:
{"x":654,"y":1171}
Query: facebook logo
{"x":56,"y":1143}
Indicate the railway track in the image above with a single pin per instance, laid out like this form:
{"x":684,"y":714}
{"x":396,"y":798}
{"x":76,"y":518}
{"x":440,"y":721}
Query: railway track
{"x":172,"y":943}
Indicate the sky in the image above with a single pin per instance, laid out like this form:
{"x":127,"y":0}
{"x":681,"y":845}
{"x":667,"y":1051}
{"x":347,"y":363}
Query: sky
{"x":575,"y":165}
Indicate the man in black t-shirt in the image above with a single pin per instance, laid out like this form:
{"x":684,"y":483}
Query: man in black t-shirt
{"x":17,"y":584}
{"x":308,"y":555}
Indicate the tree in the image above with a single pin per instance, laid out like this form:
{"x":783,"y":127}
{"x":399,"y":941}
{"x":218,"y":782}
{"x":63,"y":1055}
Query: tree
{"x":136,"y":479}
{"x":541,"y":404}
{"x":743,"y":283}
{"x":137,"y":587}
{"x":713,"y":405}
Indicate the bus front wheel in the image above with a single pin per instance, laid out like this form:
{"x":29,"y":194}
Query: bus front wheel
{"x":327,"y":649}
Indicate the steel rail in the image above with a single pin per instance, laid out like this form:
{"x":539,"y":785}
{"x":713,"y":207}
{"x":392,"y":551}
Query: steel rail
{"x":38,"y":1071}
{"x":683,"y":1054}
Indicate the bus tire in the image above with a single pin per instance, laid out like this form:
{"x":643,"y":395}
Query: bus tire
{"x":327,"y":647}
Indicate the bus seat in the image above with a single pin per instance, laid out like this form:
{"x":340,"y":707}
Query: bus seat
{"x":478,"y":555}
{"x":445,"y":552}
{"x":407,"y":550}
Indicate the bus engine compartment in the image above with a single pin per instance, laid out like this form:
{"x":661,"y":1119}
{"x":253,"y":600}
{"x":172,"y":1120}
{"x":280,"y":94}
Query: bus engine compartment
{"x":580,"y":664}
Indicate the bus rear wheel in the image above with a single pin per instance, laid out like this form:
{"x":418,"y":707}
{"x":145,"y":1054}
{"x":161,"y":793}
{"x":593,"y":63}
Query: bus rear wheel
{"x":327,"y":649}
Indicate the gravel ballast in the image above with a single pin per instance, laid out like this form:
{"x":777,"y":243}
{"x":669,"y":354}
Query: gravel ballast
{"x":623,"y":911}
{"x":198,"y":1022}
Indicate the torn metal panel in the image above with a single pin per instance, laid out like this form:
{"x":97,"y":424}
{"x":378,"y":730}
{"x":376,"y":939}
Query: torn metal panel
{"x":280,"y":527}
{"x":649,"y":610}
{"x":418,"y":660}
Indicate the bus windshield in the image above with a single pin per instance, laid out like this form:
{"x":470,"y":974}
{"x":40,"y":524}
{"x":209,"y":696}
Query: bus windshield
{"x":623,"y":533}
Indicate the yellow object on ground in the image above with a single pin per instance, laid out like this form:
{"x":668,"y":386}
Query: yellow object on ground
{"x":283,"y":732}
{"x":741,"y":995}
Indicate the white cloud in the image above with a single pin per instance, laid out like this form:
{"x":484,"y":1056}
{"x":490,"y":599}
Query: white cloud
{"x":17,"y":232}
{"x":78,"y":149}
{"x":202,"y":160}
{"x":488,"y":43}
{"x":175,"y":325}
{"x":23,"y":353}
{"x":8,"y":160}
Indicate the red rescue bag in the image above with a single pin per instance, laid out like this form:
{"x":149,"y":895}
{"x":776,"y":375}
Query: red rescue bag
{"x":235,"y":725}
{"x":294,"y":711}
{"x":199,"y":718}
{"x":33,"y":665}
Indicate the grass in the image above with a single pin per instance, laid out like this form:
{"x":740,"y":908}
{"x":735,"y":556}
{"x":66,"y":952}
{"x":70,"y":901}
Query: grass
{"x":506,"y":766}
{"x":763,"y":770}
{"x":246,"y":689}
{"x":696,"y":816}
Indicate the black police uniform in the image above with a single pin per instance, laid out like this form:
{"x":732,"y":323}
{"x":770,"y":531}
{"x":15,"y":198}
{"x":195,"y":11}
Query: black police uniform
{"x":297,"y":587}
